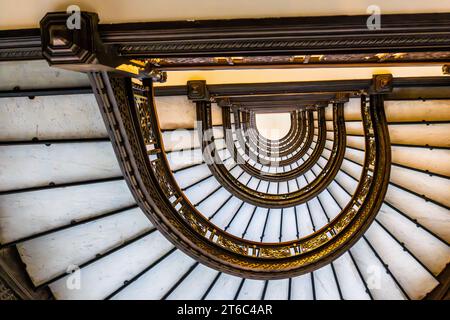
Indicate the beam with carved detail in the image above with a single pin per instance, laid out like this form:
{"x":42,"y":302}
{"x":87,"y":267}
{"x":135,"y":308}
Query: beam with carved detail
{"x":269,"y":200}
{"x":82,"y":49}
{"x":300,"y":147}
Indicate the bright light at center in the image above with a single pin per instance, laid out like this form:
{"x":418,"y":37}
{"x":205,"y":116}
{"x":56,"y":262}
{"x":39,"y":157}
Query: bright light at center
{"x":273,"y":125}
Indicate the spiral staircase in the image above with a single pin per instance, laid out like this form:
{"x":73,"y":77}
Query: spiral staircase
{"x":143,"y":191}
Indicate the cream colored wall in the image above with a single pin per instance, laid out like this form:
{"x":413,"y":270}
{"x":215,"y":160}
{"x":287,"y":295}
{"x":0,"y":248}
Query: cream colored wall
{"x":15,"y":14}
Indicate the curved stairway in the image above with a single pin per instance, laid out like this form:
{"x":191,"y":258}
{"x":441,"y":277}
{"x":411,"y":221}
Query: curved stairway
{"x":65,"y":207}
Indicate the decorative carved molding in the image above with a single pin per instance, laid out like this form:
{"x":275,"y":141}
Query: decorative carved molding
{"x":265,"y":153}
{"x":442,"y":291}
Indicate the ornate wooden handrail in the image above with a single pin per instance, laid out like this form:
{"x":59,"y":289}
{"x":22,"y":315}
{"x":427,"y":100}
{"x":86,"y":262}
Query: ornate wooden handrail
{"x":132,"y":122}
